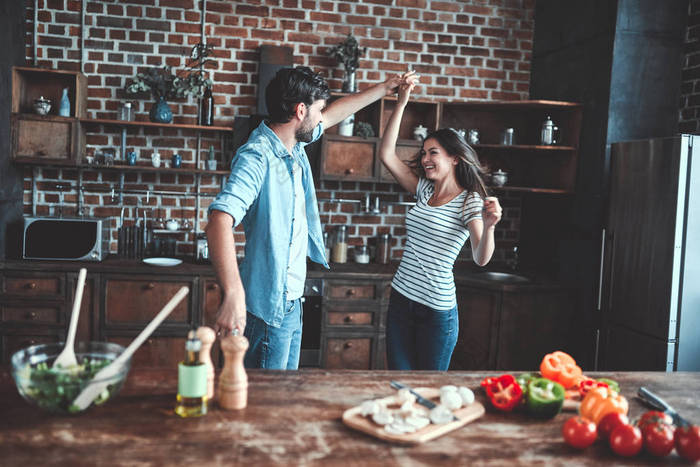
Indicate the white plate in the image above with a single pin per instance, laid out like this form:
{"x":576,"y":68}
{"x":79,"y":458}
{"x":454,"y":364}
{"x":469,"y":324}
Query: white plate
{"x":162,"y":261}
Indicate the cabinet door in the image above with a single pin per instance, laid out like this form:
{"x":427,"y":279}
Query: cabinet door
{"x":347,"y":158}
{"x":351,"y":353}
{"x":31,"y":285}
{"x":478,"y":326}
{"x":406,"y":153}
{"x":137,"y":301}
{"x":211,"y":299}
{"x":155,"y":351}
{"x":52,"y":139}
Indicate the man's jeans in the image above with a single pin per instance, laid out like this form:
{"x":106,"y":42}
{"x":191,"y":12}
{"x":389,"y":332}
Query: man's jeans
{"x":419,"y":337}
{"x":275,"y":348}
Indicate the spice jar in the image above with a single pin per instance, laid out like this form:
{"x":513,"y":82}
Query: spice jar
{"x":383,"y":249}
{"x":362,"y":254}
{"x":340,"y":248}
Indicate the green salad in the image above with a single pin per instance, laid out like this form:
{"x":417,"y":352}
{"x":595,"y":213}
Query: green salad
{"x":56,"y":389}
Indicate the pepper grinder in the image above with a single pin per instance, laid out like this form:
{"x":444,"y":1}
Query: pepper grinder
{"x":207,"y":336}
{"x":233,"y":382}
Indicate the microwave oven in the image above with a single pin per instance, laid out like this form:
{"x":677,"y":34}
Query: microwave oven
{"x":52,"y":238}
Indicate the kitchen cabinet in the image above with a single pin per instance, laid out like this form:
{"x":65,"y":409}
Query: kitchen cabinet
{"x":47,"y":138}
{"x":352,"y":330}
{"x":512,"y":327}
{"x":35,"y":308}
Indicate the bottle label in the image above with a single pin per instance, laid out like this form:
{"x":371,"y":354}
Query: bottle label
{"x":192,"y":380}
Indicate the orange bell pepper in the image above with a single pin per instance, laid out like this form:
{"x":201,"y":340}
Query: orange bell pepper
{"x":561,"y":367}
{"x":601,"y":401}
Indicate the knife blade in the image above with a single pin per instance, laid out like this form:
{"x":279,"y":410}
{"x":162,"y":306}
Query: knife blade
{"x":420,"y":399}
{"x":658,"y":403}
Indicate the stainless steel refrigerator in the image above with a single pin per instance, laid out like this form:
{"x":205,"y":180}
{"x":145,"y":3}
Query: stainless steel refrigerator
{"x":649,"y":298}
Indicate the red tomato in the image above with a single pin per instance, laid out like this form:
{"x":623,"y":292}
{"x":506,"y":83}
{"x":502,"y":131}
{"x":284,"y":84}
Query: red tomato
{"x":626,"y":440}
{"x":658,"y":439}
{"x":609,"y":422}
{"x":579,"y":432}
{"x":654,"y":416}
{"x":688,"y":442}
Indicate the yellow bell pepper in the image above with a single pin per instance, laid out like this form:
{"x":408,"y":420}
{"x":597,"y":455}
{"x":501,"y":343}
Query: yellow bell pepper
{"x":601,"y":401}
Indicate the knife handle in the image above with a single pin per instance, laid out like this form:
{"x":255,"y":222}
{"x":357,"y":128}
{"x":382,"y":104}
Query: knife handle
{"x":652,"y":399}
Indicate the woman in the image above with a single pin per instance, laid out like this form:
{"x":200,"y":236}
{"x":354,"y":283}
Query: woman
{"x":451,"y":206}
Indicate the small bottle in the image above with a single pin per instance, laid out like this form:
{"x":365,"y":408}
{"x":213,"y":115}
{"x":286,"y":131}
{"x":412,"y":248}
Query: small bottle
{"x":207,"y":114}
{"x":340,"y":248}
{"x":191,"y":381}
{"x":64,"y":107}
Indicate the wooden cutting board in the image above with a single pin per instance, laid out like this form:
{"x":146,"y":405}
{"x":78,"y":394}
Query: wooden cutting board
{"x":354,"y":419}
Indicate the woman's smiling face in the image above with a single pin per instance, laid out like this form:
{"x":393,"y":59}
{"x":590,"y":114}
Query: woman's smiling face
{"x":435,"y":160}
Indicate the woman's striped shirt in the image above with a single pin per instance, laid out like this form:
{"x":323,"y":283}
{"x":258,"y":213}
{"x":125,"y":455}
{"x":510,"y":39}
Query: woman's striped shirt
{"x":436,"y":235}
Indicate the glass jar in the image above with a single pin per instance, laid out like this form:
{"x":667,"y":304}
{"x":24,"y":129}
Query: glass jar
{"x":125,"y":112}
{"x":340,"y":248}
{"x":327,"y":245}
{"x":383,"y":249}
{"x":362,"y":254}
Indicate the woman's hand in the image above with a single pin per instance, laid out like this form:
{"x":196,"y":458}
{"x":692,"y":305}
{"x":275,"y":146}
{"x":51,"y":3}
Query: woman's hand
{"x":492,"y":212}
{"x":408,"y":82}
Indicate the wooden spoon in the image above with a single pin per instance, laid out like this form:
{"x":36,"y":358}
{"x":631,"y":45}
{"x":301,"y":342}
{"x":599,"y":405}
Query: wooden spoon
{"x":101,"y":379}
{"x":67,"y":356}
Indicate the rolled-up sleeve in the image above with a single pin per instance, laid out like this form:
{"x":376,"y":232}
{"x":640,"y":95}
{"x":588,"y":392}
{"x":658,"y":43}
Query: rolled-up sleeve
{"x":247,"y":174}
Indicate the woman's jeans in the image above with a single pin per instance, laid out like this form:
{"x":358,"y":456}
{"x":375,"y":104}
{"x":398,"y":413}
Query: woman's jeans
{"x":419,"y":337}
{"x":275,"y":348}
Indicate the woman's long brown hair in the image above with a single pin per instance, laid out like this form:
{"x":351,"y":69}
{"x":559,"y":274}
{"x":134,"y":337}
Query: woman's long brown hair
{"x":470,"y":172}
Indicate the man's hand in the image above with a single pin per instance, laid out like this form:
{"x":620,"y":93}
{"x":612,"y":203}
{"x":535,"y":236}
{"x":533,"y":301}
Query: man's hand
{"x":231,"y":315}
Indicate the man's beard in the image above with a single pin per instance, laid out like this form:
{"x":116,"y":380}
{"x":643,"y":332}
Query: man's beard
{"x":306,"y":133}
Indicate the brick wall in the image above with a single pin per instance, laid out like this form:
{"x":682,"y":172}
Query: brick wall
{"x":690,"y":86}
{"x":478,"y":49}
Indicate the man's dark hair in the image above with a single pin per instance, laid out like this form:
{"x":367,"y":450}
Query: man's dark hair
{"x":291,"y":86}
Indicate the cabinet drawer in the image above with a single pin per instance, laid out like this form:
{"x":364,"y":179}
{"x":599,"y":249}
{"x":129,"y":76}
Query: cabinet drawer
{"x":348,"y":318}
{"x":29,"y":314}
{"x":348,"y":353}
{"x":40,"y":285}
{"x":347,"y":159}
{"x":156,"y":351}
{"x":351,"y":291}
{"x":15,"y":342}
{"x":138,"y":301}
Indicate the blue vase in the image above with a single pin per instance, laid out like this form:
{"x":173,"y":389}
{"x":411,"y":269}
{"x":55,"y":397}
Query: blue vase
{"x":64,"y":108}
{"x":160,"y":112}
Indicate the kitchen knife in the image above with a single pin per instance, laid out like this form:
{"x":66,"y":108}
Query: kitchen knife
{"x":420,"y":399}
{"x":658,"y":403}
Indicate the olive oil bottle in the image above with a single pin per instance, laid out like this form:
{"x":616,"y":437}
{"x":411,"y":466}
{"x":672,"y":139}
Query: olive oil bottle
{"x":191,"y":381}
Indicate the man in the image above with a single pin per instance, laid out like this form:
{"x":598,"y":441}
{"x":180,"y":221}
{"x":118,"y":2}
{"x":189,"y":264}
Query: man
{"x":271,"y":191}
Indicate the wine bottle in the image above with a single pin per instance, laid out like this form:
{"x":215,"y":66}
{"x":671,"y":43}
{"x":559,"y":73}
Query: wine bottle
{"x":207,"y":109}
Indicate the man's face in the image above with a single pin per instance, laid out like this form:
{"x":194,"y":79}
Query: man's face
{"x":312,"y":118}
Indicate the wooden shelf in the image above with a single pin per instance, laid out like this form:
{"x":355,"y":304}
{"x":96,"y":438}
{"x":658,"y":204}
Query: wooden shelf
{"x":118,"y":167}
{"x":184,"y":126}
{"x":524,"y":147}
{"x":531,"y":190}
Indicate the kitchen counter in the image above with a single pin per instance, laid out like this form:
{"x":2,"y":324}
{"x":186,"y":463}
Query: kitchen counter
{"x":294,"y":418}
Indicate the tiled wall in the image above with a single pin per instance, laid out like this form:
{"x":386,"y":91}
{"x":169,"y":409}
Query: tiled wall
{"x":478,"y":49}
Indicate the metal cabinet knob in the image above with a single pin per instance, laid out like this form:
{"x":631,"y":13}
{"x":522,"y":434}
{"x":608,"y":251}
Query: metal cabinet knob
{"x":31,"y":285}
{"x":347,"y":345}
{"x":350,"y":292}
{"x":213,"y":286}
{"x":32,"y":315}
{"x":151,"y":286}
{"x":348,"y":319}
{"x":349,"y":171}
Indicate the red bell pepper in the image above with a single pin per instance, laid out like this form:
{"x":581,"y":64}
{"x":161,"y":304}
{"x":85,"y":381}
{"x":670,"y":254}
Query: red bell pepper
{"x":587,"y":384}
{"x":504,"y":392}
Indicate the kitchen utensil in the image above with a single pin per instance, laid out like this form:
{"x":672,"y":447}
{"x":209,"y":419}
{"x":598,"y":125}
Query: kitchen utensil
{"x":549,"y":133}
{"x":42,"y":106}
{"x":176,"y":161}
{"x":420,"y":399}
{"x":67,"y":357}
{"x":658,"y":403}
{"x":420,"y":133}
{"x":353,"y":418}
{"x":97,"y":385}
{"x":499,"y":178}
{"x":55,"y":389}
{"x":162,"y":261}
{"x":172,"y":224}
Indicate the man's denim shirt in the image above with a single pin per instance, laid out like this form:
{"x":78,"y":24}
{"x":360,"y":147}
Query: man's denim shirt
{"x":260,"y":193}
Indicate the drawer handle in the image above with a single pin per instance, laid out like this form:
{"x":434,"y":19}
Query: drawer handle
{"x":150,"y":286}
{"x":348,"y":319}
{"x":31,"y":285}
{"x":149,"y":341}
{"x":213,"y":286}
{"x":28,"y":343}
{"x":347,"y":345}
{"x":349,"y":171}
{"x":31,"y":315}
{"x":350,"y":292}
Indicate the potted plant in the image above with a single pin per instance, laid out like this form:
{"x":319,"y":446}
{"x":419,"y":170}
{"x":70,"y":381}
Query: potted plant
{"x":163,"y":84}
{"x":348,"y":54}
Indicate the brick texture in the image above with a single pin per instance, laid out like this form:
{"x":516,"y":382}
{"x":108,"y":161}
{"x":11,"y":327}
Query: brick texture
{"x":471,"y":49}
{"x":690,"y":86}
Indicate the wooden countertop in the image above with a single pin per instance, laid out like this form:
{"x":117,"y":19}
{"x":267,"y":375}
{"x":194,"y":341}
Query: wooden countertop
{"x":294,"y":418}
